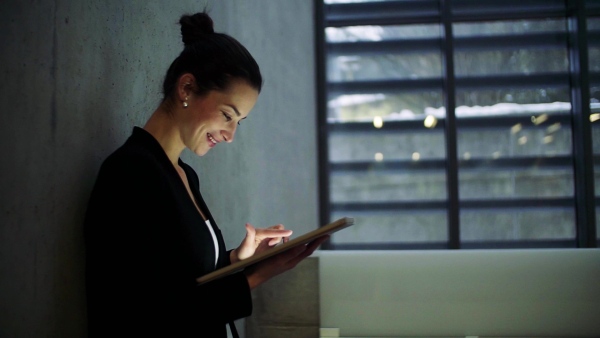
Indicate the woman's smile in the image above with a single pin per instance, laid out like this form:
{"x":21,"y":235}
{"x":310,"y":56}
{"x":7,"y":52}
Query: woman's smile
{"x":211,"y":140}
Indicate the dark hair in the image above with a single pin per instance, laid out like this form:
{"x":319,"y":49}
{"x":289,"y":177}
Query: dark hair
{"x":213,"y":58}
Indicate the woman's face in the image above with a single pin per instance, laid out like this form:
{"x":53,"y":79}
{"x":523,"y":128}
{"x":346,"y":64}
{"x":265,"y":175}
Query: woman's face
{"x":211,"y":119}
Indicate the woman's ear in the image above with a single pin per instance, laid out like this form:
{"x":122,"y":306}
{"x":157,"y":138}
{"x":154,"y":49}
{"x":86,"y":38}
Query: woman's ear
{"x":185,"y":86}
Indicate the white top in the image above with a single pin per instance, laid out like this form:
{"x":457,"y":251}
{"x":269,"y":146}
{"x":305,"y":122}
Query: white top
{"x":212,"y":232}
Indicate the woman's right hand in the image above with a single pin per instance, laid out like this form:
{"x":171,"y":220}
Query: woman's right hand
{"x":258,"y":240}
{"x":280,"y":263}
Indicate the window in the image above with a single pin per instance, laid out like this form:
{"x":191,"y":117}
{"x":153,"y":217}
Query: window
{"x":459,"y":124}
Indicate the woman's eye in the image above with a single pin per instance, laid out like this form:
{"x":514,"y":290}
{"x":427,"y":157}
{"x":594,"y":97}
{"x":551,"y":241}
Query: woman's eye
{"x":227,"y":117}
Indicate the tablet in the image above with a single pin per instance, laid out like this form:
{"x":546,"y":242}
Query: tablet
{"x":304,"y":239}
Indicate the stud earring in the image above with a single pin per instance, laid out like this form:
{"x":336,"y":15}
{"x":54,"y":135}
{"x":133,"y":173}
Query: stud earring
{"x":185,"y":104}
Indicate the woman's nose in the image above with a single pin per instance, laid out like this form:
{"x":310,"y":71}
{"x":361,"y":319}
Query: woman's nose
{"x":228,"y":135}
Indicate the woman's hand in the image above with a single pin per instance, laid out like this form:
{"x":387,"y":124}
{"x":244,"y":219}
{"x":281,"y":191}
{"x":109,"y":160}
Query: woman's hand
{"x":271,"y":267}
{"x":258,"y":240}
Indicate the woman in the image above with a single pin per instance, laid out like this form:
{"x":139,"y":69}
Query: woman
{"x":149,"y":234}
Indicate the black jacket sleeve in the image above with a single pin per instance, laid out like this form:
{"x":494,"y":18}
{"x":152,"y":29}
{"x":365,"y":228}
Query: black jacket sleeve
{"x":144,"y":250}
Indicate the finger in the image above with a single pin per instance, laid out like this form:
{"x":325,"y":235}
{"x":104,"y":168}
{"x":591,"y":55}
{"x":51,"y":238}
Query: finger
{"x":250,"y":228}
{"x":277,"y":240}
{"x":277,"y":226}
{"x":274,"y":241}
{"x":311,"y":246}
{"x":300,"y":252}
{"x":250,"y":233}
{"x":262,"y":246}
{"x":272,"y":233}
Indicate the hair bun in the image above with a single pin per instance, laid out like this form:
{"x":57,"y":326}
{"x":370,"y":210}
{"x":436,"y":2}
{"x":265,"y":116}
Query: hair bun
{"x":193,"y":27}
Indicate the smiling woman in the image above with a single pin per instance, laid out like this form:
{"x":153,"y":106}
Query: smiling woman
{"x":149,"y":233}
{"x":204,"y":120}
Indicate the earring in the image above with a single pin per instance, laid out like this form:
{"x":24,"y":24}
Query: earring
{"x":185,"y":104}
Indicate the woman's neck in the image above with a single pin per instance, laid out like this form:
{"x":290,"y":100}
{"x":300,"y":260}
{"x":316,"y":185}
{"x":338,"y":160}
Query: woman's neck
{"x":162,"y":126}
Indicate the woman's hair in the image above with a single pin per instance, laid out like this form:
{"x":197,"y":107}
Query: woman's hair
{"x":215,"y":59}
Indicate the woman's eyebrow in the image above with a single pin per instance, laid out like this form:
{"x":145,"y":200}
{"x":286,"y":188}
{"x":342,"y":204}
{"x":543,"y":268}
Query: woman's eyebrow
{"x":234,"y":109}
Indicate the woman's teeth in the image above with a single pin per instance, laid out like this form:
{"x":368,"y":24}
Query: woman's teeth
{"x":212,"y":139}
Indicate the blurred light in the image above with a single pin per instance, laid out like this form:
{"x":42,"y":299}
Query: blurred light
{"x":553,"y":128}
{"x":522,"y":140}
{"x":416,"y":156}
{"x":378,"y":157}
{"x":594,"y":117}
{"x":378,"y":122}
{"x":430,"y":121}
{"x":496,"y":155}
{"x":467,"y":156}
{"x":548,"y":139}
{"x":539,"y":119}
{"x":516,"y":128}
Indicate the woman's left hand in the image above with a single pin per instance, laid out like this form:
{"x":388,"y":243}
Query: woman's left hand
{"x":258,"y":240}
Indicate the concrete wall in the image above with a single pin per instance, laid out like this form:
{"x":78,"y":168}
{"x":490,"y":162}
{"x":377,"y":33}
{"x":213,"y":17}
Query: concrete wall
{"x":289,"y":305}
{"x":77,"y":76}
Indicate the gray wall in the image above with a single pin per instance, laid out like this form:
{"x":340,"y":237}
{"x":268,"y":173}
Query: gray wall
{"x":78,"y":75}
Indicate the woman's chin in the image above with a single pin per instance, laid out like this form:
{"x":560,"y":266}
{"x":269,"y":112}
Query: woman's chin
{"x":201,"y":151}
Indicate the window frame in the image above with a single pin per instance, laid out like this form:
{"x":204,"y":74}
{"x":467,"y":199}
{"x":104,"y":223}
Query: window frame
{"x":440,"y":12}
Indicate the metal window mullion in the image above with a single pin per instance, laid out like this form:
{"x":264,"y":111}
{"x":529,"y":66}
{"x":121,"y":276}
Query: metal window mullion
{"x":322,"y":130}
{"x":547,"y":80}
{"x":381,"y":13}
{"x":402,"y":166}
{"x":582,"y":136}
{"x":449,"y":90}
{"x":471,"y":122}
{"x":496,"y":204}
{"x":545,"y":40}
{"x":526,"y":244}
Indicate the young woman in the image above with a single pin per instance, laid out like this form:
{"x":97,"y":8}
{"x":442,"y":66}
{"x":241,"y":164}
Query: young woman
{"x":149,"y":234}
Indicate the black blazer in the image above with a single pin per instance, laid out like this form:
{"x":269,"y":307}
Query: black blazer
{"x":146,"y":244}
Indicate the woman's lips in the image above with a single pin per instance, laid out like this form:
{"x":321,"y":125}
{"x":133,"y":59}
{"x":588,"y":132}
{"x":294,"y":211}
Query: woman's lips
{"x":211,"y":140}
